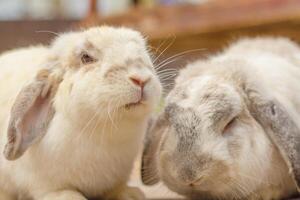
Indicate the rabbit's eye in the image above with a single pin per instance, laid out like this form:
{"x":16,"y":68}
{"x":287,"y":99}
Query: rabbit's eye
{"x":230,"y":124}
{"x":87,"y":59}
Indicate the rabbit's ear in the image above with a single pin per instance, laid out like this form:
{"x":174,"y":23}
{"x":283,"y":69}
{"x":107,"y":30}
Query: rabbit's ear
{"x":31,"y":114}
{"x":153,"y":140}
{"x":280,"y":127}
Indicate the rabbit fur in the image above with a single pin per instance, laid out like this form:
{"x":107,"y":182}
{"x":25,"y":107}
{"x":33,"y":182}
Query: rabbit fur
{"x":229,"y":129}
{"x":73,"y":116}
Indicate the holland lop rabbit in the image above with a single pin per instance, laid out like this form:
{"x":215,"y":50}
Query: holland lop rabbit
{"x":73,"y":115}
{"x":230,"y":126}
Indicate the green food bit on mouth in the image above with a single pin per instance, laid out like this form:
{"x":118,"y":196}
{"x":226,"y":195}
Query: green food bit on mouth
{"x":160,"y":106}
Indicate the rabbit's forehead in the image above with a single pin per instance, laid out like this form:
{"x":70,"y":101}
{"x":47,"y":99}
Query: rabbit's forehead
{"x":107,"y":34}
{"x":115,"y":39}
{"x":211,"y":93}
{"x":115,"y":52}
{"x":120,"y":52}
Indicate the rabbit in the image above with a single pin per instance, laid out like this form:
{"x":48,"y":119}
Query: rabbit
{"x":73,"y":115}
{"x":229,"y":129}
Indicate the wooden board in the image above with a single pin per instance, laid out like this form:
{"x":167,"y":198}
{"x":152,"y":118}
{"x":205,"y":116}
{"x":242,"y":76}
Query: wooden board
{"x":180,"y":20}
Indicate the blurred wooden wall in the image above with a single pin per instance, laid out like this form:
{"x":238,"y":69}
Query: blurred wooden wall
{"x":23,"y":33}
{"x":209,"y":26}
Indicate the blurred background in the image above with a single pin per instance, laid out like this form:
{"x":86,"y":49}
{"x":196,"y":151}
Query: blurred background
{"x":187,"y":29}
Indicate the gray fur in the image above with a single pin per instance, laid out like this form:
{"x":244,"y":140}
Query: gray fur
{"x":185,"y":123}
{"x":257,"y":156}
{"x":19,"y":135}
{"x":154,"y":134}
{"x":281,"y":128}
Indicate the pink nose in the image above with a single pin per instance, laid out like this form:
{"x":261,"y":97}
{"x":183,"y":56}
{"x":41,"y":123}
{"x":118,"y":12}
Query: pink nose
{"x":138,"y":81}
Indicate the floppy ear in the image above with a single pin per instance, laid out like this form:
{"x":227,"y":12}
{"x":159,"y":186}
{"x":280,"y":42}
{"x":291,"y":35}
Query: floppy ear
{"x":153,"y":140}
{"x":31,"y":114}
{"x":280,"y":127}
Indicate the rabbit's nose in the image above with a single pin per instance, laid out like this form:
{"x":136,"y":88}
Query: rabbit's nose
{"x":139,"y":81}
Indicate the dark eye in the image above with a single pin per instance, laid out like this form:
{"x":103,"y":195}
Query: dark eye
{"x":229,"y":125}
{"x":87,"y":59}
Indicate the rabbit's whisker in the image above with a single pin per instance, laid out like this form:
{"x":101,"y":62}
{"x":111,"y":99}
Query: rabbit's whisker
{"x":179,"y":55}
{"x":46,"y":31}
{"x":161,"y":53}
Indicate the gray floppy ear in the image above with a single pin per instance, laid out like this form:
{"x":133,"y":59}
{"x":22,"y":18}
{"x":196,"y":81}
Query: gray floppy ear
{"x":281,"y":129}
{"x":153,"y":140}
{"x":30,"y":115}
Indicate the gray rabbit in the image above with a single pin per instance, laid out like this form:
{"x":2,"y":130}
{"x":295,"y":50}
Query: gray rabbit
{"x":229,"y":130}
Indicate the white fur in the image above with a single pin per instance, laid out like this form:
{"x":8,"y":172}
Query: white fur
{"x":92,"y":141}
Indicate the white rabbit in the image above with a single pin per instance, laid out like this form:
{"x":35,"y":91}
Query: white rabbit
{"x":229,"y":127}
{"x":73,"y":115}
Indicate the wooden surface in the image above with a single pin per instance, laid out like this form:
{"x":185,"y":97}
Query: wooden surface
{"x":210,"y":26}
{"x":216,"y":15}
